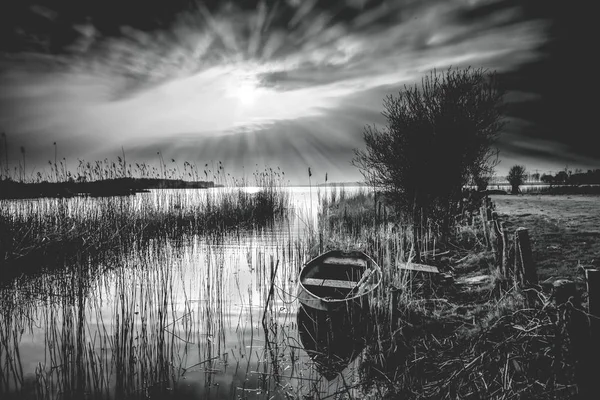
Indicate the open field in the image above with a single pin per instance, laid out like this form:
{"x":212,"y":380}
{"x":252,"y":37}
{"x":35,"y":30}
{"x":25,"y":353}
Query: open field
{"x":565,"y":230}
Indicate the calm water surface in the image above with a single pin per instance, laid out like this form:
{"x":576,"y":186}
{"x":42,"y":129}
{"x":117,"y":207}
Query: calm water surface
{"x":194,"y":318}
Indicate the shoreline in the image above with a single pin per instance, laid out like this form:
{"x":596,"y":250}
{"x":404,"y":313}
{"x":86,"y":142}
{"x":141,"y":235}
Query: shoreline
{"x":109,"y":187}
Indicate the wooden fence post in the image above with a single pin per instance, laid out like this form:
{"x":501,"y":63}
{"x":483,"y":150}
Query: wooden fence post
{"x":499,"y":244}
{"x":517,"y":269}
{"x":484,"y":224}
{"x":592,"y":276}
{"x":505,"y":250}
{"x":529,"y":276}
{"x":583,"y":329}
{"x":578,"y":328}
{"x":493,"y":239}
{"x":488,"y":207}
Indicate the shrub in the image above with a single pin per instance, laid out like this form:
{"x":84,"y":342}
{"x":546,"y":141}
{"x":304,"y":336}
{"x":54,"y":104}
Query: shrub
{"x":439,"y":137}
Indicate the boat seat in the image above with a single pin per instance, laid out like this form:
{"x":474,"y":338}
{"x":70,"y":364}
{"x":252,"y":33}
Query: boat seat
{"x":355,"y":262}
{"x":333,"y":283}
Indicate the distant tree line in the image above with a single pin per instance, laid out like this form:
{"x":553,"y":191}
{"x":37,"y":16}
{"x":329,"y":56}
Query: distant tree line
{"x":573,"y":178}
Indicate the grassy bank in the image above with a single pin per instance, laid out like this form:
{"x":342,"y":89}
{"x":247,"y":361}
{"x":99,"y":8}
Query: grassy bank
{"x":475,"y":338}
{"x":564,"y":229}
{"x":568,"y":189}
{"x":10,"y":189}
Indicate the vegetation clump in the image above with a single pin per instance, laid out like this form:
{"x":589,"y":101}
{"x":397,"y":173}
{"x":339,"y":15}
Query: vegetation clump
{"x":439,"y":348}
{"x":439,"y":137}
{"x":474,"y":338}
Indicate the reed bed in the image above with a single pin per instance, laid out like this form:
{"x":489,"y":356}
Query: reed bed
{"x":152,"y":313}
{"x":101,"y":334}
{"x":156,"y":323}
{"x":44,"y":233}
{"x":115,"y":289}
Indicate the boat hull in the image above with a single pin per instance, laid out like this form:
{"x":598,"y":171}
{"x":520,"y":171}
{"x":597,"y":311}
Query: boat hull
{"x":339,"y":281}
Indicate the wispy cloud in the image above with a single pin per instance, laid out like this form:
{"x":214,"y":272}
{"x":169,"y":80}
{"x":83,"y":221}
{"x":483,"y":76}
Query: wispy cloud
{"x":218,"y":74}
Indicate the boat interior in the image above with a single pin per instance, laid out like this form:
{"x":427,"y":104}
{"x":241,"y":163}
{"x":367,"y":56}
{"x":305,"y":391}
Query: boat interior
{"x":338,"y":278}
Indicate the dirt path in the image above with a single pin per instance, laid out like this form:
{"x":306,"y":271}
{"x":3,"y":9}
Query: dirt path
{"x":565,"y":230}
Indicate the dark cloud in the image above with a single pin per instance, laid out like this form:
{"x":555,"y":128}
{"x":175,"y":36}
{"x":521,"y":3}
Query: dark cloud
{"x":560,"y":78}
{"x":50,"y":25}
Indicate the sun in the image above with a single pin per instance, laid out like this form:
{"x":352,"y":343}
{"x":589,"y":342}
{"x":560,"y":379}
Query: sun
{"x":244,"y":86}
{"x":246,"y":93}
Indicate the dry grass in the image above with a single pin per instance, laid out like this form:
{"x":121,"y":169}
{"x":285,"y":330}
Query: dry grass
{"x":564,"y":230}
{"x":487,"y":347}
{"x":473,"y":339}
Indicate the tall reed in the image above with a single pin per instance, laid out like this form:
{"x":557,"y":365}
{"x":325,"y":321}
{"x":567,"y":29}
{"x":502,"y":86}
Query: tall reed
{"x":40,"y":233}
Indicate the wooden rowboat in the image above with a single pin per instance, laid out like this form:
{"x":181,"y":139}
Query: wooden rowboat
{"x":338,"y":279}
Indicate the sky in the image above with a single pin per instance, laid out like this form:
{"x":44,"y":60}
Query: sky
{"x":286,"y":83}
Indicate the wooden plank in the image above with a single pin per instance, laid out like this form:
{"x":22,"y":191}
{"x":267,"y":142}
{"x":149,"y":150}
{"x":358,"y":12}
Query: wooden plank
{"x":333,"y":283}
{"x":356,"y":262}
{"x":420,"y":268}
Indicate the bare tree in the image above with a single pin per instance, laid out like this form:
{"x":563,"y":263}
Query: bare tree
{"x":439,"y":137}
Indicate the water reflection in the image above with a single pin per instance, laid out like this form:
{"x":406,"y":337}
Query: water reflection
{"x":331,"y":340}
{"x":182,"y":319}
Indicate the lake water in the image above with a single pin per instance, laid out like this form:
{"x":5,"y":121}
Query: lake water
{"x":193,"y":318}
